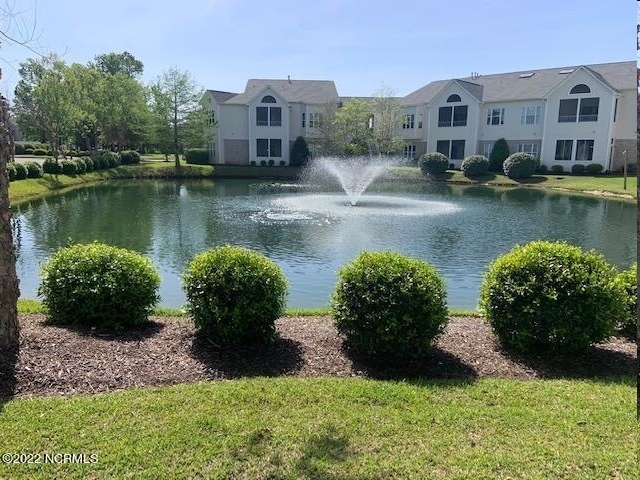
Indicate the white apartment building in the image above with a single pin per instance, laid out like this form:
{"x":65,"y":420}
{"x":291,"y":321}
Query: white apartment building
{"x":567,"y":115}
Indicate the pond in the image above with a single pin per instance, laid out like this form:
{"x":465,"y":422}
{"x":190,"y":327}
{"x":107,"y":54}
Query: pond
{"x":458,"y":229}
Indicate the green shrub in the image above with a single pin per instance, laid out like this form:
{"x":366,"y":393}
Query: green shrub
{"x":557,"y":169}
{"x":499,"y":153}
{"x":98,"y":285}
{"x":69,"y":167}
{"x":81,"y":166}
{"x":40,"y":152}
{"x":433,"y":163}
{"x":389,"y":305}
{"x":520,"y":165}
{"x":593,"y":168}
{"x":628,"y":326}
{"x":34,"y":170}
{"x":11,"y":171}
{"x":475,"y":165}
{"x":112,"y":159}
{"x":50,"y":165}
{"x":252,"y":163}
{"x":129,"y":157}
{"x":271,"y":162}
{"x":88,"y":162}
{"x":18,"y":149}
{"x":551,"y":295}
{"x":100,"y":162}
{"x":263,"y":163}
{"x":542,"y":169}
{"x":29,"y":146}
{"x":577,"y":168}
{"x":234,"y":295}
{"x":282,"y":163}
{"x":28,"y":151}
{"x":197,"y":156}
{"x":21,"y":170}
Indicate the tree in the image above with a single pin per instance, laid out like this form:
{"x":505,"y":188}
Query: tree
{"x":43,"y":100}
{"x":175,"y":99}
{"x":112,"y":63}
{"x":299,"y":152}
{"x":354,"y":128}
{"x":387,"y":122}
{"x":498,"y":155}
{"x":327,"y":140}
{"x":85,"y":87}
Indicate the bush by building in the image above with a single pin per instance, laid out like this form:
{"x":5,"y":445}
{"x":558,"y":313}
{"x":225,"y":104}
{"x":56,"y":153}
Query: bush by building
{"x":433,"y":163}
{"x":520,"y":165}
{"x":499,"y":153}
{"x":475,"y":165}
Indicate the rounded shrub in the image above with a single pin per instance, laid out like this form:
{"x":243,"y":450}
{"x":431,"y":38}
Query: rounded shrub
{"x":475,"y":165}
{"x":234,"y":295}
{"x":197,"y":156}
{"x":551,"y":295}
{"x":557,"y":169}
{"x":389,"y":305}
{"x":271,"y":162}
{"x":81,"y":166}
{"x":11,"y":171}
{"x":542,"y":169}
{"x":520,"y":165}
{"x":433,"y":163}
{"x":577,"y":169}
{"x":52,"y":166}
{"x":69,"y":167}
{"x":34,"y":170}
{"x":21,"y":170}
{"x":100,"y":162}
{"x":28,"y":151}
{"x":593,"y":168}
{"x":18,"y":149}
{"x":40,"y":152}
{"x":263,"y":163}
{"x":88,"y":162}
{"x":98,"y":285}
{"x":129,"y":157}
{"x":628,"y":325}
{"x":112,"y":159}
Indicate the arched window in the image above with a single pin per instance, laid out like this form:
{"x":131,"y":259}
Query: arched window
{"x":268,"y":99}
{"x":454,"y":98}
{"x":580,"y":88}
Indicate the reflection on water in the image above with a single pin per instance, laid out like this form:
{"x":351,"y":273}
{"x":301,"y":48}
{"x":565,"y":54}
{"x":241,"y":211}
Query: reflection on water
{"x":310,"y":235}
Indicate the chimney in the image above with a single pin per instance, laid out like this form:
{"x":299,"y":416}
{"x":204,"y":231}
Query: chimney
{"x":289,"y":78}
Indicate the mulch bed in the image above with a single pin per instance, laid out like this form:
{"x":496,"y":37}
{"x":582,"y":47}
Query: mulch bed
{"x":68,"y":361}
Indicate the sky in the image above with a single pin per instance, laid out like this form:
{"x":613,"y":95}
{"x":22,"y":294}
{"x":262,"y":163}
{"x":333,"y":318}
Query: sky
{"x":363,"y":46}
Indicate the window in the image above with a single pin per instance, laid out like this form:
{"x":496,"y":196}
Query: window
{"x":268,"y":147}
{"x":564,"y":149}
{"x":580,"y":88}
{"x":486,"y":149}
{"x":314,"y":120}
{"x":454,"y":98}
{"x":211,"y":119}
{"x":268,"y":99}
{"x":584,"y":150}
{"x":453,"y":149}
{"x":531,"y":148}
{"x":452,"y":116}
{"x":495,"y":116}
{"x":269,"y":116}
{"x":589,"y":109}
{"x":530,"y":115}
{"x":582,"y":110}
{"x":408,"y":121}
{"x":615,"y":110}
{"x":568,"y":110}
{"x":410,"y":151}
{"x":303,"y":120}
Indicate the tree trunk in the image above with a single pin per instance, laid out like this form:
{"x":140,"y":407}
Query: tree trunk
{"x":9,"y":292}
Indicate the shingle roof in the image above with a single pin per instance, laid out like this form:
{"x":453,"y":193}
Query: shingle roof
{"x":304,"y":91}
{"x":221,"y":97}
{"x":510,"y":86}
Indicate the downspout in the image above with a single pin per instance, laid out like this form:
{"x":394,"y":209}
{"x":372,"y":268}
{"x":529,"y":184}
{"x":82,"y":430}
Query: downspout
{"x":610,"y":150}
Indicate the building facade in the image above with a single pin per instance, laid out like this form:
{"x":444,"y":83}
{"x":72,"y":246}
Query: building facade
{"x":569,"y":115}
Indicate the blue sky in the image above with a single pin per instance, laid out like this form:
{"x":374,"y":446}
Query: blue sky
{"x":362,"y":45}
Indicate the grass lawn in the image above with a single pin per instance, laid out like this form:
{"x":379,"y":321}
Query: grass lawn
{"x":294,"y":428}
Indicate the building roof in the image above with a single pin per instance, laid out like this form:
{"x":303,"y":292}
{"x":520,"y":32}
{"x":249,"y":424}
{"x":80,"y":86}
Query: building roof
{"x":522,"y":86}
{"x":220,"y":96}
{"x":303,"y":91}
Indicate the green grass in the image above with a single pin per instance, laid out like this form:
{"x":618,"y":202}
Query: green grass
{"x":578,"y":183}
{"x":22,"y":189}
{"x":294,"y":428}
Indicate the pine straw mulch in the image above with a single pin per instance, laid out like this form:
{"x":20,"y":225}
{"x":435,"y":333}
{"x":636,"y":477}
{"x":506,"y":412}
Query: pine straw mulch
{"x":66,"y":361}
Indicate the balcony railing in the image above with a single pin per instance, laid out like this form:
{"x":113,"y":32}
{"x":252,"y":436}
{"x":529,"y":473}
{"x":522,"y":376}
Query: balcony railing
{"x":566,"y":118}
{"x":588,"y":118}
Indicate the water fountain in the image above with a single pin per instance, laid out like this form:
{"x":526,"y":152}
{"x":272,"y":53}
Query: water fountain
{"x":355,"y":174}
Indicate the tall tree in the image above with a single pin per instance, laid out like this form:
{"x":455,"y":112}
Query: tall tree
{"x":43,"y":100}
{"x":175,"y":99}
{"x":354,"y":128}
{"x":112,"y":63}
{"x":326,"y":139}
{"x":387,"y":122}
